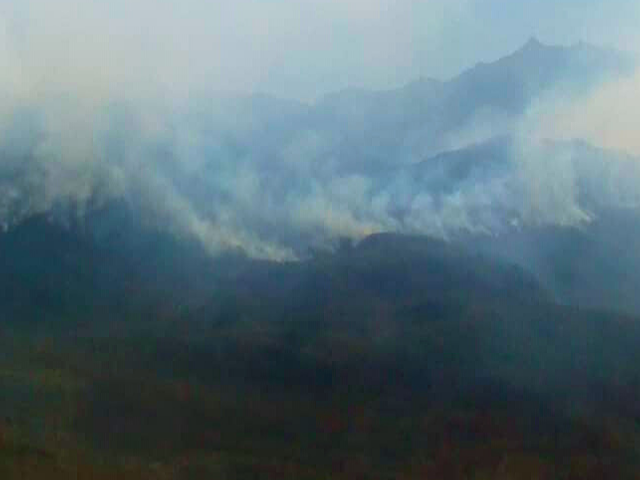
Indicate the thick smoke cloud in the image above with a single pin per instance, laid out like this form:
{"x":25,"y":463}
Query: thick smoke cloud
{"x":239,"y":173}
{"x":96,"y":108}
{"x":229,"y":183}
{"x":608,"y":118}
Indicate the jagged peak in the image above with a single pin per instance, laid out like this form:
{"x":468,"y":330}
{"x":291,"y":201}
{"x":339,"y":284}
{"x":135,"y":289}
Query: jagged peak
{"x":532,"y":43}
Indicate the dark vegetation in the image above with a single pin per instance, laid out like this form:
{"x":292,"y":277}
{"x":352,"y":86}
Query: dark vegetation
{"x":594,"y":266}
{"x":126,"y":353}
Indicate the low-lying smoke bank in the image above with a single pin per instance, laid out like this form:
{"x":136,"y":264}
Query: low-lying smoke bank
{"x":225,"y":179}
{"x":272,"y":177}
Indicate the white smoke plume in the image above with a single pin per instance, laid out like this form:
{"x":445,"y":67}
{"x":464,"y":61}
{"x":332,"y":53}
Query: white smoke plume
{"x":94,"y":109}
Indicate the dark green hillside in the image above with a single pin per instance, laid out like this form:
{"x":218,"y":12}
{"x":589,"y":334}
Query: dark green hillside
{"x":127,"y":353}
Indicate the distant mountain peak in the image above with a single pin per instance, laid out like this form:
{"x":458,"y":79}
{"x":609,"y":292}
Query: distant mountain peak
{"x":533,"y":43}
{"x":533,"y":47}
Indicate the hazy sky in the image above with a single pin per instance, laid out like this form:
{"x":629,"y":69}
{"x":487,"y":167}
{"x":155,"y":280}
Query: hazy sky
{"x":292,"y":48}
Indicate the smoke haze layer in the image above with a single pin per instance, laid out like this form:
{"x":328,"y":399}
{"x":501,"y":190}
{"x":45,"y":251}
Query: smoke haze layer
{"x":133,"y":119}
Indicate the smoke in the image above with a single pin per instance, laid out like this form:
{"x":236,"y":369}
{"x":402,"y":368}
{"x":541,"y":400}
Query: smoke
{"x":608,"y":118}
{"x":95,"y":108}
{"x":596,"y":162}
{"x":237,"y":173}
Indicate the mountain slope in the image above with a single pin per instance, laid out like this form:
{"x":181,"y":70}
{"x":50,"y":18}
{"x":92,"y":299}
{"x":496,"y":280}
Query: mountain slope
{"x":415,"y":121}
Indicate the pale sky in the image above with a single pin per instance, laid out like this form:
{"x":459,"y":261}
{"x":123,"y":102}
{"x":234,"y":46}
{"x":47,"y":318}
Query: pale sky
{"x":291,"y":48}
